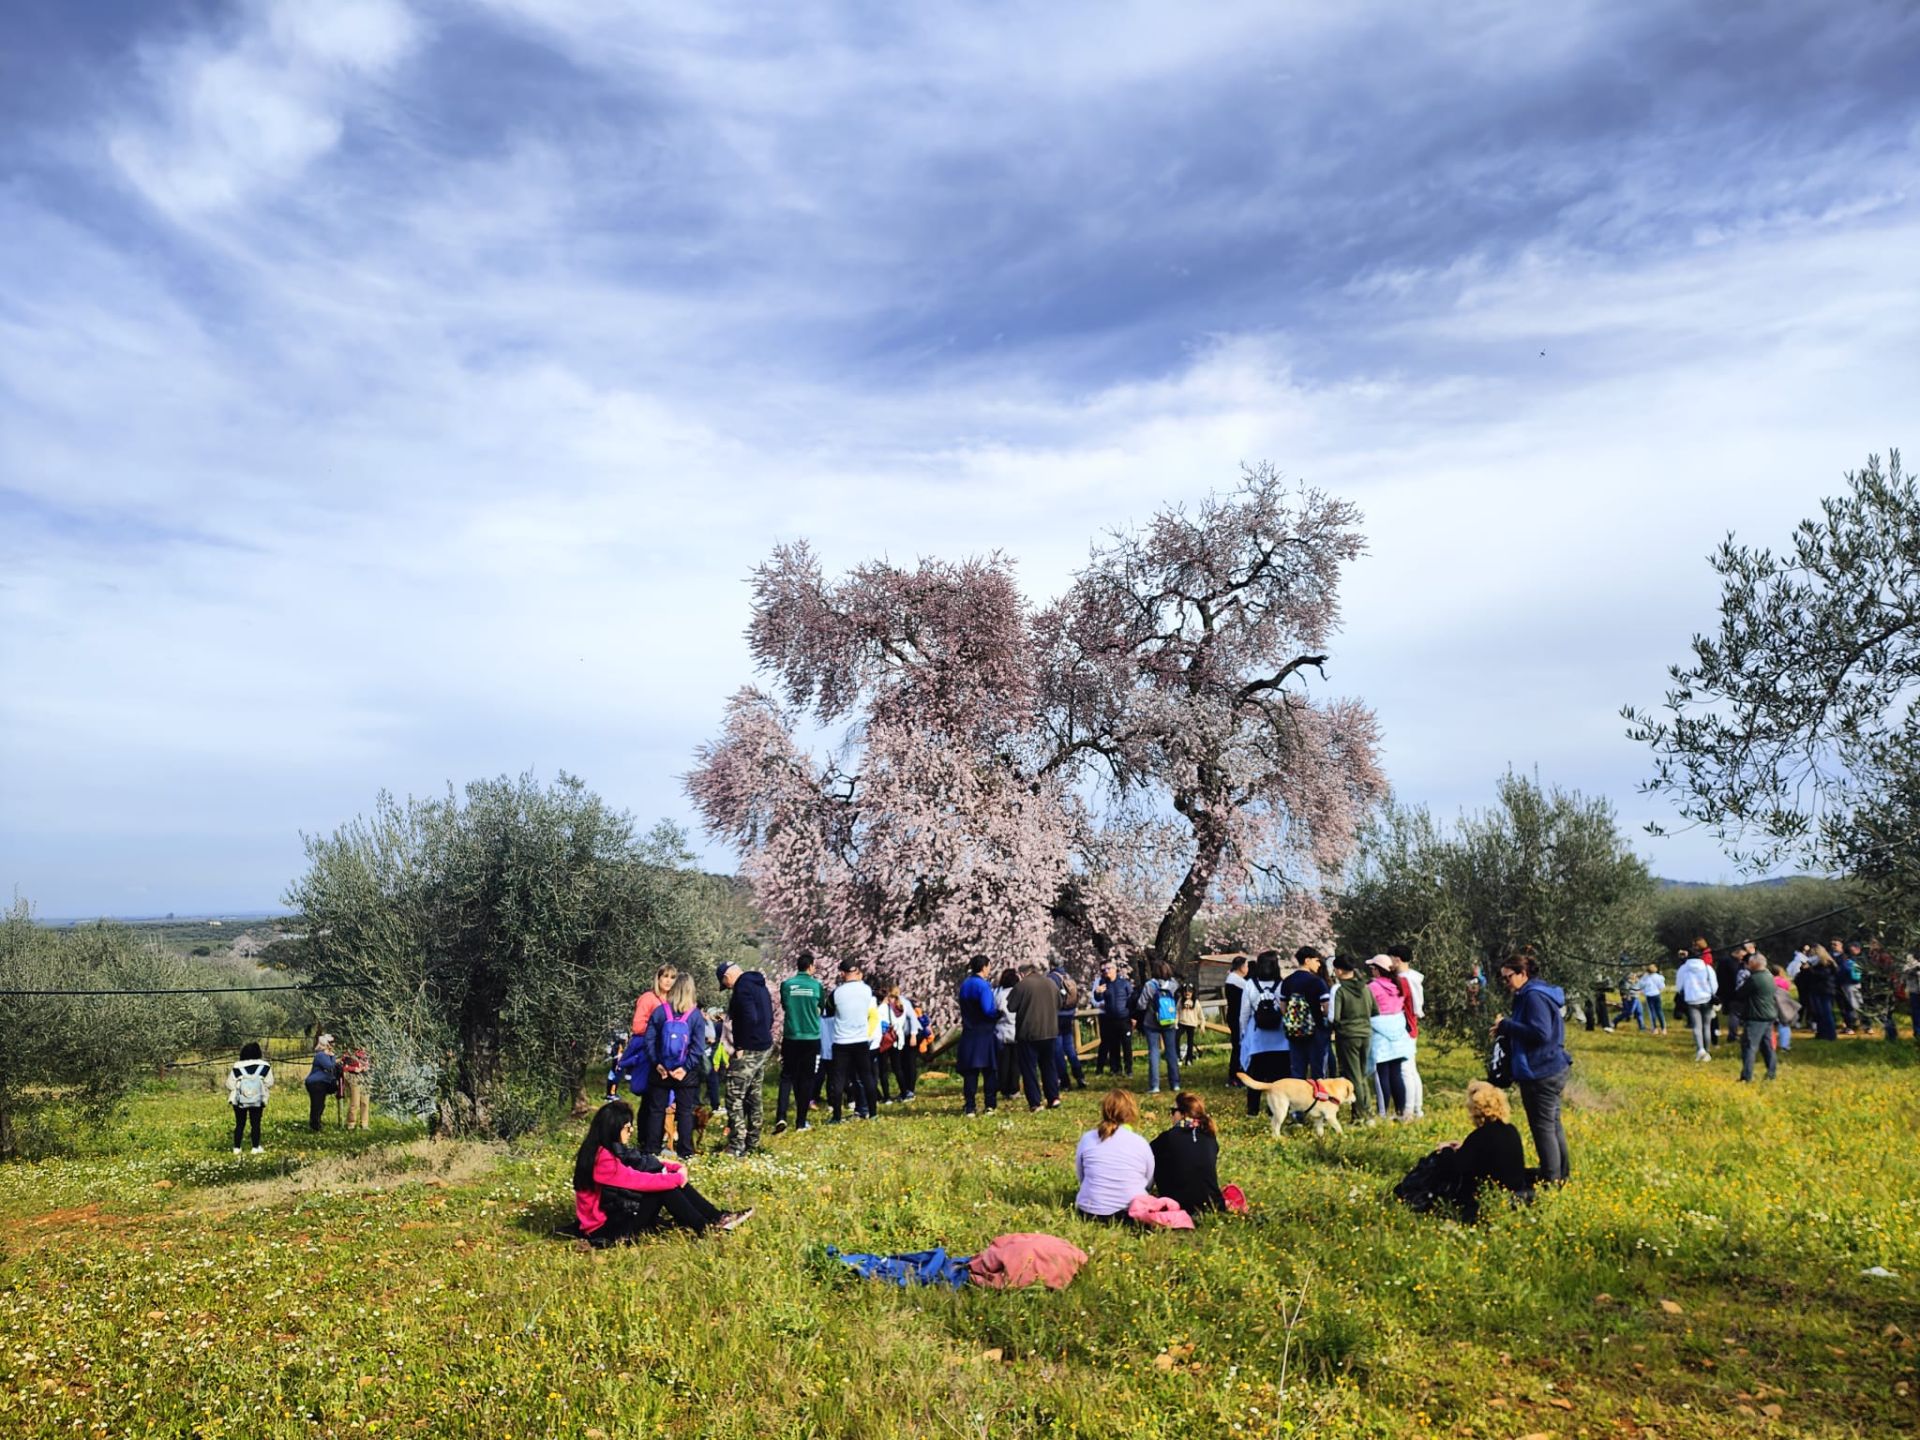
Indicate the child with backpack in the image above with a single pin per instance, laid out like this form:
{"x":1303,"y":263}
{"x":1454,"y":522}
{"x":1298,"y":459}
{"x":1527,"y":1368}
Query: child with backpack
{"x":249,"y":1083}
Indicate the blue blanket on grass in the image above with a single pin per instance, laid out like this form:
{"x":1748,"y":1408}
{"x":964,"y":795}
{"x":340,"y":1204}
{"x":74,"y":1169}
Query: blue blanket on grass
{"x":916,"y":1267}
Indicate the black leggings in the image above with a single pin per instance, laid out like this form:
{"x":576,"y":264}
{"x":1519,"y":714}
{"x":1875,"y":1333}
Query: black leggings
{"x":243,"y":1115}
{"x":1268,"y":1065}
{"x":317,"y":1097}
{"x":639,"y":1211}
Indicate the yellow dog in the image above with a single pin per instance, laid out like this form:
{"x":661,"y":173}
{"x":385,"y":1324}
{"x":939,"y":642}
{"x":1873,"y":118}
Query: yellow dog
{"x":1318,"y":1100}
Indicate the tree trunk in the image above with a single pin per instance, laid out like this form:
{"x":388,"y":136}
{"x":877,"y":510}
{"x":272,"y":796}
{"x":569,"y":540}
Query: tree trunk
{"x":469,"y":1110}
{"x":1173,"y":941}
{"x":9,"y":1140}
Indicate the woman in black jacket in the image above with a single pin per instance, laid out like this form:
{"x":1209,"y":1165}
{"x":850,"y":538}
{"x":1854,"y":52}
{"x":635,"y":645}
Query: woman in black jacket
{"x":1456,"y":1171}
{"x":1186,"y":1157}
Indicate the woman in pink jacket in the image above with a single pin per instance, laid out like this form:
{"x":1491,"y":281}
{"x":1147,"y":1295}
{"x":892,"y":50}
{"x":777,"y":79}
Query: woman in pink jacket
{"x":618,"y":1192}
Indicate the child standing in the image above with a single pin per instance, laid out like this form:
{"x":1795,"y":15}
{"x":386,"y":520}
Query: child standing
{"x":249,"y":1083}
{"x":355,"y":1071}
{"x":1187,"y":1017}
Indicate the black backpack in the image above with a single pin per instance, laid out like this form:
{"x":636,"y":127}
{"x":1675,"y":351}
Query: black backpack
{"x":1500,"y":1063}
{"x":1267,"y":1014}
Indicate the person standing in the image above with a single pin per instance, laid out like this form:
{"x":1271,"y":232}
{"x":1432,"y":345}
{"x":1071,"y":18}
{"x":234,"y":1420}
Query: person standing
{"x":323,"y":1080}
{"x":356,"y":1072}
{"x":663,"y":981}
{"x":1415,"y":986}
{"x":1264,"y":1046}
{"x":1908,"y":984}
{"x":1817,"y":983}
{"x":1783,"y":1026}
{"x":799,"y":1043}
{"x":854,"y":1013}
{"x":979,"y":1012}
{"x":249,"y":1086}
{"x":1536,"y":1030}
{"x":1236,"y":997}
{"x":1036,"y":1009}
{"x":1350,"y":1014}
{"x":1851,"y":973}
{"x":894,"y":1056}
{"x":1067,"y":1055}
{"x":1006,"y":1032}
{"x":671,"y":1053}
{"x":1304,"y":1008}
{"x":1759,"y":1004}
{"x":1727,"y":971}
{"x":1159,"y":1010}
{"x":750,"y":1016}
{"x":1652,"y":986}
{"x":1392,"y":1040}
{"x":1113,"y":994}
{"x":1695,"y":984}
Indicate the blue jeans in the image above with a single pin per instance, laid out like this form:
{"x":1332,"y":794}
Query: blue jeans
{"x":1822,"y":1007}
{"x":1158,"y":1040}
{"x":1068,"y":1055}
{"x":1655,"y":1014}
{"x":1784,"y":1034}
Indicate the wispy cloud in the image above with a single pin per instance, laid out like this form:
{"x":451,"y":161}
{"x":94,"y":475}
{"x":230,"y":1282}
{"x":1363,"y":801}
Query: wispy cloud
{"x":395,"y":394}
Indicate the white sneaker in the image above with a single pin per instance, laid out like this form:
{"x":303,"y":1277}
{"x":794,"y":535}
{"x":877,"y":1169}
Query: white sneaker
{"x":258,"y":1150}
{"x":236,"y":1149}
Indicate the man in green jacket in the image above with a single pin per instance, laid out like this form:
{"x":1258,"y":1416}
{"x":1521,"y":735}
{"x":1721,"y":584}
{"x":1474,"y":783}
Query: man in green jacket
{"x":1351,"y":1009}
{"x":799,"y":1043}
{"x":1758,"y":1000}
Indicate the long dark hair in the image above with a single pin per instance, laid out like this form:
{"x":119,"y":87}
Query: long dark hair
{"x":1266,"y":969}
{"x":603,"y":1133}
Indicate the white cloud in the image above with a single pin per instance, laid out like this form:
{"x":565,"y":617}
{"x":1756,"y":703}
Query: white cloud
{"x":240,"y":120}
{"x":469,"y":479}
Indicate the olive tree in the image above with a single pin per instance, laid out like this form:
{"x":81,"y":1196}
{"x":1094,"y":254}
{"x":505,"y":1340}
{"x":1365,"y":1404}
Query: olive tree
{"x":86,"y":1051}
{"x":491,"y":937}
{"x":1792,"y":732}
{"x":1543,"y":867}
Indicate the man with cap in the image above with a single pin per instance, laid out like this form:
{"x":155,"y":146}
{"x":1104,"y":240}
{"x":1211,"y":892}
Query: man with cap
{"x":750,"y":1014}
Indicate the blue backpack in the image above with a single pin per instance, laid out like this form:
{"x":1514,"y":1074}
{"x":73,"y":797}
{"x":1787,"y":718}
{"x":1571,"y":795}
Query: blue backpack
{"x":1165,"y":1011}
{"x":676,"y":1034}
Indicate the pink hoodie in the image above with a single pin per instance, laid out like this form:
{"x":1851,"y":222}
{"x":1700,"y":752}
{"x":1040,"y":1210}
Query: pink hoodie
{"x":608,"y":1170}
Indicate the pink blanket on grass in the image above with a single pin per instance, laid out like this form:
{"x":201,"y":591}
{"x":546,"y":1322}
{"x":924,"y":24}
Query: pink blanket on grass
{"x":1013,"y":1261}
{"x":1158,"y":1210}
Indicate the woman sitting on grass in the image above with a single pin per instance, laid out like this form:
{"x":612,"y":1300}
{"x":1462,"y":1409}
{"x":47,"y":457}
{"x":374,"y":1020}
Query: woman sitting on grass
{"x":1186,"y":1157}
{"x":1113,"y":1163}
{"x":618,"y":1192}
{"x":1455,"y":1171}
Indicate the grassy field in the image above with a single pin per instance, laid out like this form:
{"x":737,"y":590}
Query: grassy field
{"x":1702,"y":1276}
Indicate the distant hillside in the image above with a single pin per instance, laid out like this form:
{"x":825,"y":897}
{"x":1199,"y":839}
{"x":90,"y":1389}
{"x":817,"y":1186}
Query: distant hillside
{"x":1767,"y":884}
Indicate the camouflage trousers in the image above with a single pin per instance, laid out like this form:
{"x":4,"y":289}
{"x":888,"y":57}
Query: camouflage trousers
{"x":746,"y":1077}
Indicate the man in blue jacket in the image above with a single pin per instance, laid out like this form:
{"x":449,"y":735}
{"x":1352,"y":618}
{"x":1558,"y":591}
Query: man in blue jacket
{"x":1113,"y":993}
{"x":750,"y":1013}
{"x":1536,"y":1031}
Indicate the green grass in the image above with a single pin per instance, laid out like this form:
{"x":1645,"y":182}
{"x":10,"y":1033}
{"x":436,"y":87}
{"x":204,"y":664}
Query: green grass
{"x":381,"y":1284}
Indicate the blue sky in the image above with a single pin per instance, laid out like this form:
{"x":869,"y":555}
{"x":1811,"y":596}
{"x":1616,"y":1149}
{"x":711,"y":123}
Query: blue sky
{"x":395,"y":393}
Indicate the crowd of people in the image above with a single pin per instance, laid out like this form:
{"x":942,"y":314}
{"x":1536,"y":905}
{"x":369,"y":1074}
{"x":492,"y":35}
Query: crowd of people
{"x":1741,"y":998}
{"x":851,"y":1049}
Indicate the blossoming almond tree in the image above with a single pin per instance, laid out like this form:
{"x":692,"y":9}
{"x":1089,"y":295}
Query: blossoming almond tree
{"x":1092,"y":776}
